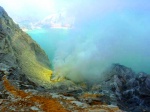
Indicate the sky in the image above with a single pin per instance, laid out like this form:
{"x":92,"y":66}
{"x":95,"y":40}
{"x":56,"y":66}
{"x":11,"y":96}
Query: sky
{"x":82,"y":8}
{"x":78,"y":11}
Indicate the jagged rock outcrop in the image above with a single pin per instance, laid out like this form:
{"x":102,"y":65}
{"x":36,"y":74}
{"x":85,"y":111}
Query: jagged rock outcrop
{"x":20,"y":53}
{"x":130,"y":91}
{"x":24,"y":65}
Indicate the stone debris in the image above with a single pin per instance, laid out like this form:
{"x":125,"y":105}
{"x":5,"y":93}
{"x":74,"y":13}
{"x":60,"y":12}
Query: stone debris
{"x":34,"y":108}
{"x":1,"y":101}
{"x":33,"y":100}
{"x":26,"y":85}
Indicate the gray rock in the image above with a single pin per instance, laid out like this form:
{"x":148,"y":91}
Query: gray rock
{"x":147,"y":81}
{"x":34,"y":108}
{"x":129,"y":89}
{"x":19,"y":51}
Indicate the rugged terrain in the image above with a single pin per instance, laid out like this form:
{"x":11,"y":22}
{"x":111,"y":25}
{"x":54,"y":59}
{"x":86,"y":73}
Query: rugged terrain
{"x":19,"y":51}
{"x":25,"y":75}
{"x":26,"y":85}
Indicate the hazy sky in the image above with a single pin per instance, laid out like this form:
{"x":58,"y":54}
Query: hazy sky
{"x":82,"y":8}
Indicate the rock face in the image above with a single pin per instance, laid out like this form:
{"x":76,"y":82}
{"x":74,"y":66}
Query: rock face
{"x":130,"y":91}
{"x":23,"y":101}
{"x":22,"y":60}
{"x":19,"y":53}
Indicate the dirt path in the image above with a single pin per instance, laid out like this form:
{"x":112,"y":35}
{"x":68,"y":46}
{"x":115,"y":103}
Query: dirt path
{"x":29,"y":100}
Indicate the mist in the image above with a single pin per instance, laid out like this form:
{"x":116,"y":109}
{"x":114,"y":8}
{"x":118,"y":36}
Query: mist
{"x":89,"y":51}
{"x":102,"y":33}
{"x":100,"y":38}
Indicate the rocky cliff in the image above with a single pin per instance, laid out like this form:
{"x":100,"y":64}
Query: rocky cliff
{"x":23,"y":64}
{"x":20,"y":52}
{"x":129,"y":90}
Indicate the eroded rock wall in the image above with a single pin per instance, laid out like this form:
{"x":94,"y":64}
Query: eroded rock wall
{"x":18,"y":50}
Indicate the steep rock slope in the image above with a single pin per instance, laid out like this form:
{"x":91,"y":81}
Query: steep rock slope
{"x":19,"y":51}
{"x":129,"y":90}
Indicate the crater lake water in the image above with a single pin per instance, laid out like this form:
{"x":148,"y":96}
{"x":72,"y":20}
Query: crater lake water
{"x":94,"y":43}
{"x":125,"y":49}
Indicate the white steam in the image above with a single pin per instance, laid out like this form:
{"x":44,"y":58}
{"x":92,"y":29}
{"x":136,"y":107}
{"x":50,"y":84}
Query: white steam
{"x":89,"y":51}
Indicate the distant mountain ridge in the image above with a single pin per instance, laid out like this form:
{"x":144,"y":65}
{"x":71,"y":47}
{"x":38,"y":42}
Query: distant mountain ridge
{"x":56,"y":20}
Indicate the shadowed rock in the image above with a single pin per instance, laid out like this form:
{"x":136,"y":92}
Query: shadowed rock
{"x":130,"y":90}
{"x":19,"y":51}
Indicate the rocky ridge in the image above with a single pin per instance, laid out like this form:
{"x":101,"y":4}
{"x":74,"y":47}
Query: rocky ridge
{"x":24,"y":67}
{"x":20,"y":52}
{"x":125,"y":88}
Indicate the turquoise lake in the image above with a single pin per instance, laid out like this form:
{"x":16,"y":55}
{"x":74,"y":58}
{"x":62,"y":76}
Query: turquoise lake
{"x":131,"y":52}
{"x":97,"y":43}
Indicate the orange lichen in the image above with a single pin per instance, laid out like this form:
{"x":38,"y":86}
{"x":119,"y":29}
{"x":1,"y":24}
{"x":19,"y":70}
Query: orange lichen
{"x":46,"y":104}
{"x":88,"y":95}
